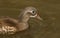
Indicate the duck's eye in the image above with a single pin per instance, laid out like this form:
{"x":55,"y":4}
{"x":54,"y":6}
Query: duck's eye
{"x":33,"y":12}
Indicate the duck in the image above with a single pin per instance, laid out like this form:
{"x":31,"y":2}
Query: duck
{"x":10,"y":25}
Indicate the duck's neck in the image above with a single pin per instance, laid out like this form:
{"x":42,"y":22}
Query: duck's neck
{"x":23,"y":23}
{"x":24,"y":17}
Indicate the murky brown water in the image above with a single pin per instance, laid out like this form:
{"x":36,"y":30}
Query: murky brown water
{"x":49,"y":10}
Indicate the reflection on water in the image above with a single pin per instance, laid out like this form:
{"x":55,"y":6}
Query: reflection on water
{"x":48,"y":10}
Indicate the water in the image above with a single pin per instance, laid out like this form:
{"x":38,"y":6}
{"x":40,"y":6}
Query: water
{"x":48,"y":10}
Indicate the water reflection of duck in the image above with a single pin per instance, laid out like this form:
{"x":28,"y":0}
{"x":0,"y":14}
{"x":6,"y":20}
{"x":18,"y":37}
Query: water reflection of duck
{"x":10,"y":26}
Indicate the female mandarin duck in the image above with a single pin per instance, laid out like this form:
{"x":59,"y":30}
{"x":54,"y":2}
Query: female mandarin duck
{"x":10,"y":25}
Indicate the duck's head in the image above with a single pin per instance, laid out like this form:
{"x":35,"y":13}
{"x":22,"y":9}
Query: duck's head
{"x":32,"y":12}
{"x":29,"y":12}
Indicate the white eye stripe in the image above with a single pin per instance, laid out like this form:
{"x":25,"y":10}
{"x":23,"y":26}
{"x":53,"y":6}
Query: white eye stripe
{"x":34,"y":15}
{"x":32,"y":11}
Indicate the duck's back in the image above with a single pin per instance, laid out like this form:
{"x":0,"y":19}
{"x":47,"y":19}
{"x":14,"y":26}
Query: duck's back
{"x":7,"y":26}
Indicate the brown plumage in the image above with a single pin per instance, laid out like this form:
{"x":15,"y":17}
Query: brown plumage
{"x":10,"y":25}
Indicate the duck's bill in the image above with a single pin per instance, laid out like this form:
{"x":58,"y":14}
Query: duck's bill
{"x":38,"y":17}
